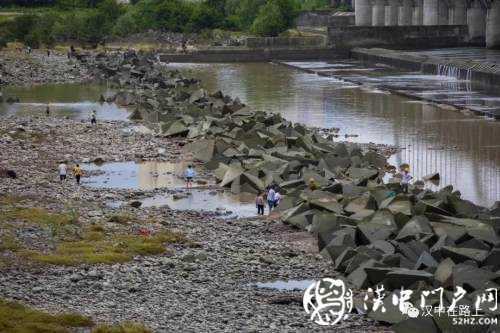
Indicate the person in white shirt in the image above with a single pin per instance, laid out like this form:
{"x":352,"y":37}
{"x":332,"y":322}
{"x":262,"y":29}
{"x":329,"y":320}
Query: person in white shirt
{"x":405,"y":180}
{"x":189,"y":174}
{"x":271,"y":197}
{"x":63,"y":171}
{"x":277,"y":199}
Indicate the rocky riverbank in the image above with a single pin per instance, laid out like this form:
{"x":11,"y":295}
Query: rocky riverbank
{"x":205,"y":283}
{"x":63,"y":249}
{"x":19,"y":69}
{"x":191,"y":270}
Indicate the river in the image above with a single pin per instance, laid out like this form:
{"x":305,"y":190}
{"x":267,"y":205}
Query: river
{"x":463,"y":148}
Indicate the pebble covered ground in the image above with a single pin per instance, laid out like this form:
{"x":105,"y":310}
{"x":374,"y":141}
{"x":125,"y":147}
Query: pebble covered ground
{"x":204,"y":284}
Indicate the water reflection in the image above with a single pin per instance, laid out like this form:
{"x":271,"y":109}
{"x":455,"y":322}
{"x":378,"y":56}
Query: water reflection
{"x":134,"y":175}
{"x":75,"y":101}
{"x":231,"y":205}
{"x":470,"y":159}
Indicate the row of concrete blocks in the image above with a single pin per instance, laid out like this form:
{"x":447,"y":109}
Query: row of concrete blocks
{"x":482,"y":22}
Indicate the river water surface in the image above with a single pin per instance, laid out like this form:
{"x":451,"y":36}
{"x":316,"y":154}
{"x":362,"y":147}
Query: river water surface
{"x":464,"y":149}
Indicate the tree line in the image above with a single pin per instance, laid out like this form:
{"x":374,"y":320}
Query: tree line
{"x":92,"y":21}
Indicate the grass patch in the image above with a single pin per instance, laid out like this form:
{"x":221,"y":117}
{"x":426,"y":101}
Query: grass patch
{"x":122,"y":218}
{"x":9,"y":199}
{"x":17,"y":318}
{"x":39,"y":216}
{"x":123,"y":328}
{"x":8,"y":243}
{"x":98,"y":248}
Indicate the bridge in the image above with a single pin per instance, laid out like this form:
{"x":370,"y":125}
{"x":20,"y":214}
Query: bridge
{"x":482,"y":17}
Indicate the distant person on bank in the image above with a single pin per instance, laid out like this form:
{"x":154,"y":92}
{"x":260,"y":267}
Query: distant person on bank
{"x":63,"y":171}
{"x":189,"y":174}
{"x":93,"y":118}
{"x":78,"y":173}
{"x":405,"y":179}
{"x":260,"y":203}
{"x":271,"y":197}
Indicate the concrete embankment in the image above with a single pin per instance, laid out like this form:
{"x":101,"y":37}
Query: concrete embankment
{"x":480,"y":72}
{"x":254,"y":55}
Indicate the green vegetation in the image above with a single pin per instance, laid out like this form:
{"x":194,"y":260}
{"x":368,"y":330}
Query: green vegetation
{"x":99,"y":248}
{"x":91,"y":22}
{"x":72,"y":243}
{"x":17,"y":318}
{"x":39,"y":216}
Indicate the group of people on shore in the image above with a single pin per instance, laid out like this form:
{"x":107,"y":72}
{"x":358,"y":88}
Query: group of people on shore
{"x":63,"y":172}
{"x":272,"y":196}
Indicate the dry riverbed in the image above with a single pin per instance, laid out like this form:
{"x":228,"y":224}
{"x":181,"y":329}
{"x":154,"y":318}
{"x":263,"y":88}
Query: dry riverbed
{"x":64,"y":250}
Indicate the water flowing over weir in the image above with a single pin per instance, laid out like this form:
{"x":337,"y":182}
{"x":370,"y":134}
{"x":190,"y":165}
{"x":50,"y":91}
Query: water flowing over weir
{"x":454,"y":72}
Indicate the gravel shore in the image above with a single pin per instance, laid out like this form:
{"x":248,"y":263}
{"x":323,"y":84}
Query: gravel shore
{"x":206,"y":284}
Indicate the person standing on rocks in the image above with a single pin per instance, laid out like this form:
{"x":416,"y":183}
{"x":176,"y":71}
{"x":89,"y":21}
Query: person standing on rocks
{"x":189,"y":174}
{"x":259,"y":203}
{"x":271,"y":197}
{"x":63,"y":171}
{"x":77,"y":172}
{"x":93,"y":118}
{"x":277,"y":198}
{"x":405,"y":179}
{"x":47,"y":110}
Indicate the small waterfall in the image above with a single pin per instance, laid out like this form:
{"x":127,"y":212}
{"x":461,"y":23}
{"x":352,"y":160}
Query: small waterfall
{"x":451,"y":71}
{"x":454,"y":72}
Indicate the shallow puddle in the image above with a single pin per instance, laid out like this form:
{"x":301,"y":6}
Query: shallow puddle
{"x":285,"y":285}
{"x":152,"y":175}
{"x":222,"y":202}
{"x":75,"y":101}
{"x":144,"y":176}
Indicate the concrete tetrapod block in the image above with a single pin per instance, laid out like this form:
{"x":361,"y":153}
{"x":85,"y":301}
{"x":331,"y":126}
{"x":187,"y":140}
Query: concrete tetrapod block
{"x":392,"y":314}
{"x":460,"y":255}
{"x":416,"y":325}
{"x":416,"y":228}
{"x":342,"y":239}
{"x":444,"y":272}
{"x":405,"y":278}
{"x":425,"y":261}
{"x":202,"y":150}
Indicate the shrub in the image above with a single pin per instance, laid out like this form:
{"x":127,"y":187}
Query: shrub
{"x":270,"y":21}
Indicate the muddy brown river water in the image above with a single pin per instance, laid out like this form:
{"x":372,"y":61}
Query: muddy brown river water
{"x":464,"y":149}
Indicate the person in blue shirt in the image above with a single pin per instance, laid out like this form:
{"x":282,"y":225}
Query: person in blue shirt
{"x":189,"y":174}
{"x":271,"y":193}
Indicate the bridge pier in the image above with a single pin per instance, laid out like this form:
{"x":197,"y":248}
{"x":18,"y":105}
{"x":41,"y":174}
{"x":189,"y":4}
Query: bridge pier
{"x":405,"y":13}
{"x":458,"y":12}
{"x":493,"y":25}
{"x":418,"y":13}
{"x":378,"y":13}
{"x":363,"y":12}
{"x":476,"y":21}
{"x":431,"y":12}
{"x":392,"y":13}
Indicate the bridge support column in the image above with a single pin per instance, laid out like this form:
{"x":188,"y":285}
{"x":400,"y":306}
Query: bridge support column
{"x":493,"y":26}
{"x":363,"y":12}
{"x":443,"y":13}
{"x":418,"y":13}
{"x":391,"y":13}
{"x":378,"y":17}
{"x":476,"y":21}
{"x":431,"y":12}
{"x":405,"y":13}
{"x":459,"y":13}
